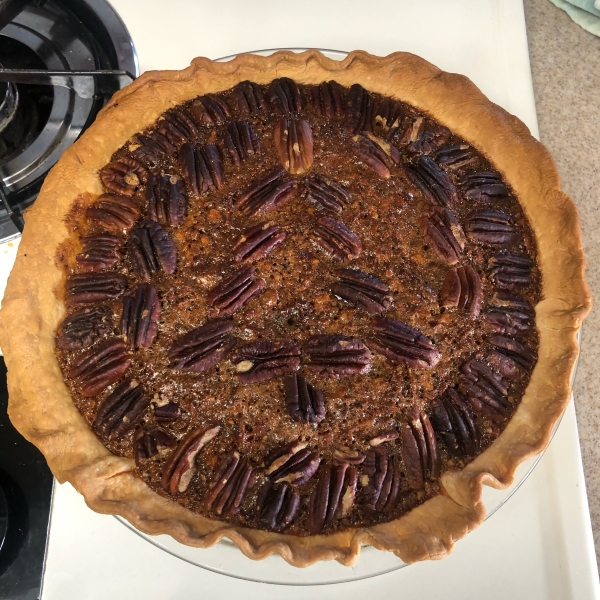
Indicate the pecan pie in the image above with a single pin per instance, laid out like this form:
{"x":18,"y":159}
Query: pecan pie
{"x":303,"y":304}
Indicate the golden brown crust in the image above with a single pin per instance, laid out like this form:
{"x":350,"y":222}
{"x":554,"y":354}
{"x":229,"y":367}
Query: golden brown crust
{"x":41,"y":407}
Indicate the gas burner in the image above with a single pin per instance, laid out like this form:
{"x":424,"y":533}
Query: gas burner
{"x":43,"y":113}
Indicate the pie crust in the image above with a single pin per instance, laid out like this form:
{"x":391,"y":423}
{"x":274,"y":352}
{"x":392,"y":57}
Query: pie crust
{"x":40,"y":405}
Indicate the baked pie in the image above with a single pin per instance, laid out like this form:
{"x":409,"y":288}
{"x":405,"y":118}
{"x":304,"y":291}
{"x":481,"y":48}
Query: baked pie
{"x":303,"y":304}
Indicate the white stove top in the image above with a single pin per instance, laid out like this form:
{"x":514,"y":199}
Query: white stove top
{"x":539,"y":545}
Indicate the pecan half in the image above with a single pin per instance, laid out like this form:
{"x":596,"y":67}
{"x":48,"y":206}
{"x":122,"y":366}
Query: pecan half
{"x":284,"y":95}
{"x":292,"y":462}
{"x":180,"y":468}
{"x":166,"y":198}
{"x":210,"y":110}
{"x":83,"y":328}
{"x":100,"y":366}
{"x":387,"y":117}
{"x":453,"y":421}
{"x":491,"y":227}
{"x":294,"y":144}
{"x":330,"y":499}
{"x":99,"y":252}
{"x":327,"y":194}
{"x":149,"y":443}
{"x":257,"y":242}
{"x":232,"y":482}
{"x":151,"y":148}
{"x":114,"y":212}
{"x":523,"y":357}
{"x":359,"y":110}
{"x":234,"y":291}
{"x":248,"y":99}
{"x":278,"y":506}
{"x":441,"y":229}
{"x":170,"y":128}
{"x":202,"y":348}
{"x":151,"y":250}
{"x":139,"y":320}
{"x":382,"y":438}
{"x":510,"y":315}
{"x":381,"y":480}
{"x":121,"y":410}
{"x":485,"y":390}
{"x":455,"y":157}
{"x":94,"y":287}
{"x":340,"y":242}
{"x":462,"y":289}
{"x":181,"y":121}
{"x":261,"y":361}
{"x":419,"y":450}
{"x":124,"y":176}
{"x":304,"y":402}
{"x":433,"y":181}
{"x":484,"y":185}
{"x":327,"y":99}
{"x":510,"y":270}
{"x":266,"y":195}
{"x":241,"y":141}
{"x":376,"y":153}
{"x":363,"y":290}
{"x":419,"y":140}
{"x":201,"y":167}
{"x":165,"y":413}
{"x":337,"y":355}
{"x":345,"y":454}
{"x":403,"y":344}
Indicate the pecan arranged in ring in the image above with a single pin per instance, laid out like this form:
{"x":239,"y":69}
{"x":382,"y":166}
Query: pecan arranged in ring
{"x":327,"y":99}
{"x":121,"y":410}
{"x":294,"y":144}
{"x":151,"y":250}
{"x":210,"y":110}
{"x":180,"y":468}
{"x":293,"y":463}
{"x":114,"y":212}
{"x":267,"y":194}
{"x":202,"y":348}
{"x":337,"y":239}
{"x":232,"y":482}
{"x":359,"y":110}
{"x":455,"y":157}
{"x":255,"y":243}
{"x":180,"y":122}
{"x":100,"y":366}
{"x":83,"y":328}
{"x":166,"y":198}
{"x":433,"y":181}
{"x":278,"y":506}
{"x":387,"y":117}
{"x":152,"y":147}
{"x":241,"y":141}
{"x":201,"y":167}
{"x":381,"y":480}
{"x":327,"y":194}
{"x":345,"y":454}
{"x":304,"y":402}
{"x":441,"y":229}
{"x":149,"y":443}
{"x":453,"y":421}
{"x":337,"y":355}
{"x":363,"y":290}
{"x":484,"y":185}
{"x":462,"y":289}
{"x":419,"y":451}
{"x":332,"y":497}
{"x":248,"y":99}
{"x":424,"y":141}
{"x":485,"y":390}
{"x":234,"y":291}
{"x":403,"y":344}
{"x":510,"y":315}
{"x":284,"y":95}
{"x":261,"y":361}
{"x":376,"y":153}
{"x":94,"y":287}
{"x":123,"y":176}
{"x":521,"y":356}
{"x":139,"y":320}
{"x":491,"y":227}
{"x":510,"y":270}
{"x":99,"y":252}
